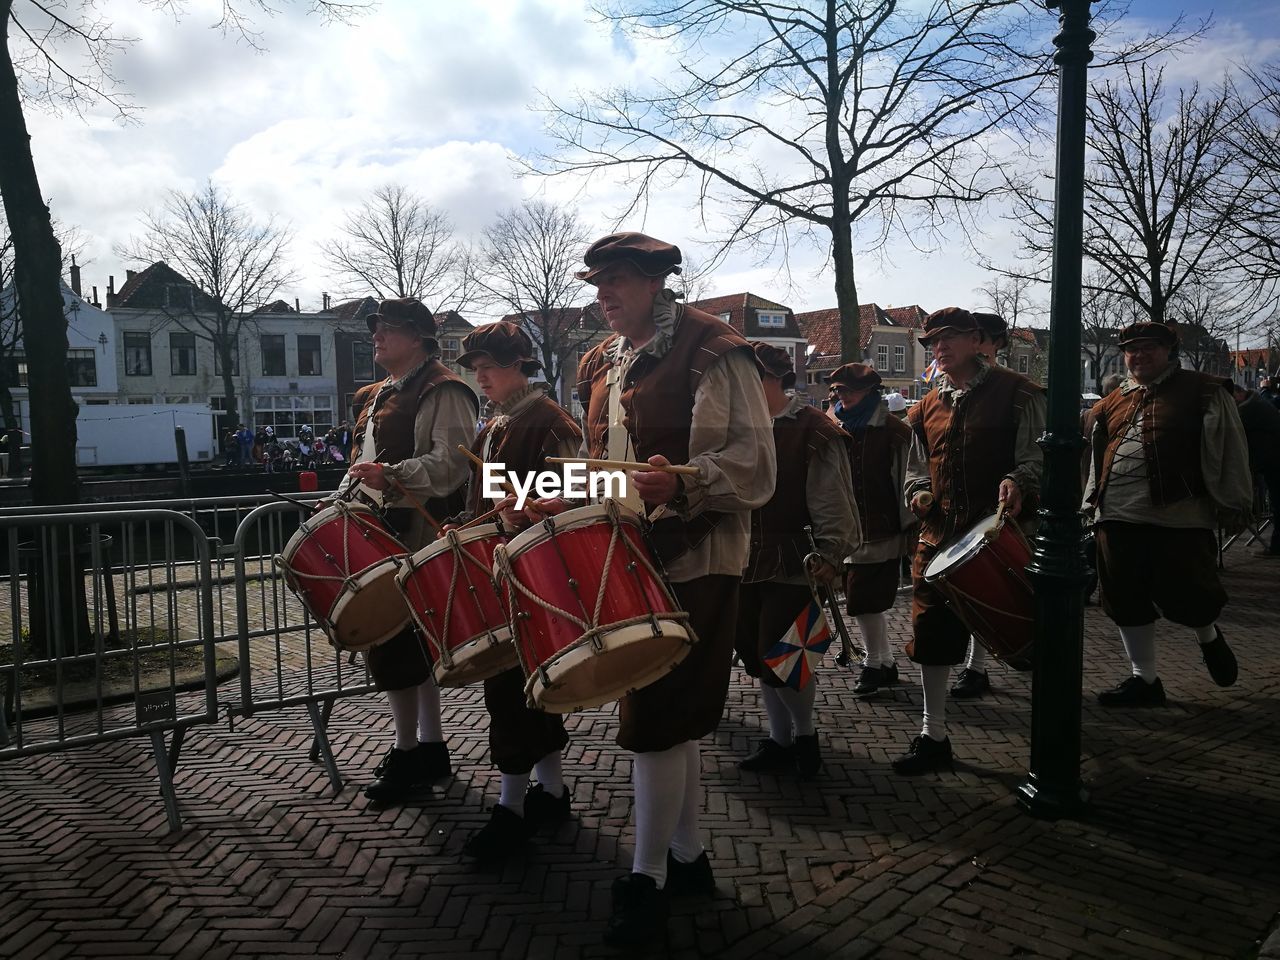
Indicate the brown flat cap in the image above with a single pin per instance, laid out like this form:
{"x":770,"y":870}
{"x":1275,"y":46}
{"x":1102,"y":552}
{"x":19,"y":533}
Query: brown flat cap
{"x":855,"y":376}
{"x":948,"y":318}
{"x":992,"y":326}
{"x":504,"y":343}
{"x":653,"y":258}
{"x":1147,"y":330}
{"x":407,"y":312}
{"x":776,"y":362}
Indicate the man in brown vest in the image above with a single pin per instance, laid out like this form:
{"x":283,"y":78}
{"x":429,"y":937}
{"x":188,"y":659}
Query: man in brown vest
{"x":1170,"y":465}
{"x":879,"y":446}
{"x":523,"y":428}
{"x":674,"y":385}
{"x":405,"y":445}
{"x":813,"y":488}
{"x":973,"y":446}
{"x":973,"y":681}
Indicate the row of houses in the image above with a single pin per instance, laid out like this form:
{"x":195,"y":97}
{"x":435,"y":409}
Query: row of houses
{"x":290,"y":367}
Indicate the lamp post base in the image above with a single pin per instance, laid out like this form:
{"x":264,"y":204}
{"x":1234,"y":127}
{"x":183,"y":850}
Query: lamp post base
{"x":1048,"y":802}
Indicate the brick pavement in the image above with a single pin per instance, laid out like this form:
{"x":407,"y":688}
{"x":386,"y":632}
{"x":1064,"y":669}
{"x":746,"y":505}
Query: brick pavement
{"x":1179,"y":857}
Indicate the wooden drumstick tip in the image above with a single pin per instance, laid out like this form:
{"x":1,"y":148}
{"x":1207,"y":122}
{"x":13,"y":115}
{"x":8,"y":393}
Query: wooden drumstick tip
{"x":924,"y":500}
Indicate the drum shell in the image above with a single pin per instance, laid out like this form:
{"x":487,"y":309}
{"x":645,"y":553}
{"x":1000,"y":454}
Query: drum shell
{"x":989,"y":590}
{"x":362,"y":609}
{"x":478,"y":640}
{"x":564,"y":569}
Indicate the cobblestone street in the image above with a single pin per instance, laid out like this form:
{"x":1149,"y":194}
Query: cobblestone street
{"x":1179,"y":857}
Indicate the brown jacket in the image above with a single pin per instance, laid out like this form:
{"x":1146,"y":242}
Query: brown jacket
{"x":778,"y":541}
{"x":1172,"y":422}
{"x":878,"y":497}
{"x":522,"y":443}
{"x":970,"y":448}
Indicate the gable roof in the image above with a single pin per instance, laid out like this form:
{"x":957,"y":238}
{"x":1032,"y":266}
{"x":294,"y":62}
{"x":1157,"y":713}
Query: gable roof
{"x":912,"y":316}
{"x":743,"y":311}
{"x":821,"y":328}
{"x":357,"y":309}
{"x":150,"y":288}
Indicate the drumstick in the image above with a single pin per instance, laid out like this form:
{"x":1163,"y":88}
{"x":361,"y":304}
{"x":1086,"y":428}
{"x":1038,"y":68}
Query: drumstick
{"x":681,"y":469}
{"x":413,"y":500}
{"x":480,"y":519}
{"x":480,"y":463}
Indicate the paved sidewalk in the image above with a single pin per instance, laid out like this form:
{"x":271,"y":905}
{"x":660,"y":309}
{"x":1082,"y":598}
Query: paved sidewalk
{"x":1180,"y":856}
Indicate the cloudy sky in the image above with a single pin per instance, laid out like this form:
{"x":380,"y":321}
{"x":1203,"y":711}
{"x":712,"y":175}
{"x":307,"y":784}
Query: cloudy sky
{"x":435,"y":95}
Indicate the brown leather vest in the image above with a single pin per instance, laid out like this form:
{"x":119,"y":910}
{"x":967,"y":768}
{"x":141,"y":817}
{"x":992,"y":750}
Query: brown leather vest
{"x":970,"y":449}
{"x":1172,"y":422}
{"x":393,"y":431}
{"x":522,"y":444}
{"x":875,"y":491}
{"x":778,"y":541}
{"x":657,"y":407}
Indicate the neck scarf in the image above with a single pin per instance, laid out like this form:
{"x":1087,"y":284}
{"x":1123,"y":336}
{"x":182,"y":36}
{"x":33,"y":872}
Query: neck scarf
{"x":858,"y":416}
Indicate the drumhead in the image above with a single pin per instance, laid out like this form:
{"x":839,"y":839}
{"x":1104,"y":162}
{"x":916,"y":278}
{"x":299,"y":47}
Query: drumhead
{"x":961,"y":549}
{"x":482,"y":531}
{"x":564,"y":522}
{"x":318,"y":520}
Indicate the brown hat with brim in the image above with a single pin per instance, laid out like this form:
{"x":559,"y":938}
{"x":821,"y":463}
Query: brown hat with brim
{"x":991,"y":325}
{"x":1147,"y":330}
{"x":948,"y":318}
{"x":855,"y":376}
{"x":775,"y":362}
{"x":408,"y":312}
{"x":502,"y":342}
{"x":653,"y":258}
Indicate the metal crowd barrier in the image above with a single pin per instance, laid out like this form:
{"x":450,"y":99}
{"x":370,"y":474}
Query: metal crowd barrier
{"x":1263,"y":517}
{"x":100,"y":639}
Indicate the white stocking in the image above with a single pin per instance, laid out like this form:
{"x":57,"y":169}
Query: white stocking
{"x":404,"y":712}
{"x":659,"y":782}
{"x":933,"y":679}
{"x":1140,"y":645}
{"x":875,"y":637}
{"x":779,"y":716}
{"x":686,"y":845}
{"x":430,"y":726}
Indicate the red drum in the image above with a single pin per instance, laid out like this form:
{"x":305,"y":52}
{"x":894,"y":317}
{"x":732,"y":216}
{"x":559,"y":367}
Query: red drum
{"x":450,"y":590}
{"x":983,"y":575}
{"x":342,"y":563}
{"x":593,"y":619}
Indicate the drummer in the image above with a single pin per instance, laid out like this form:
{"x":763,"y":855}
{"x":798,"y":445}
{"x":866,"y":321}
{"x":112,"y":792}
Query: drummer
{"x":973,"y":446}
{"x":973,"y":681}
{"x":814,"y":488}
{"x":880,"y":442}
{"x":683,"y":388}
{"x":523,"y":428}
{"x":405,"y":445}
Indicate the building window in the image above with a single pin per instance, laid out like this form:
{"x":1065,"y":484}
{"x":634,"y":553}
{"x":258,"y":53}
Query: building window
{"x":771,"y":319}
{"x":449,"y":349}
{"x":882,"y":356}
{"x":17,"y":364}
{"x":1022,"y":363}
{"x":177,"y":398}
{"x":235,"y":359}
{"x":899,"y":359}
{"x":138,"y":401}
{"x":82,"y":369}
{"x":182,"y":354}
{"x":96,"y":402}
{"x":137,"y":354}
{"x":288,"y":413}
{"x":308,"y":355}
{"x":349,"y":411}
{"x":273,"y":355}
{"x":362,"y":360}
{"x":180,"y":295}
{"x":726,"y":317}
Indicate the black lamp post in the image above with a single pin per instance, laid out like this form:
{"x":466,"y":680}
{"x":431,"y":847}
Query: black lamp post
{"x":1053,"y":788}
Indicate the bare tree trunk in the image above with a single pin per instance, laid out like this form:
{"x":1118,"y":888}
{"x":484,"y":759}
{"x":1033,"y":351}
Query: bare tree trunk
{"x":37,"y":269}
{"x":847,"y":297}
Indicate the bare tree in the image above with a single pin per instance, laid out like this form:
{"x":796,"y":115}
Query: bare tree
{"x":1210,"y":315}
{"x":1257,"y":142}
{"x":839,"y":123}
{"x":1013,"y":298}
{"x":1103,"y":314}
{"x":57,"y":55}
{"x":693,"y":283}
{"x":235,"y":263}
{"x":526,"y":265}
{"x":1164,"y":192}
{"x":396,"y":245}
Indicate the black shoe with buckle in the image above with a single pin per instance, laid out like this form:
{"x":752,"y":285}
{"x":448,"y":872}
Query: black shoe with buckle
{"x":970,"y":684}
{"x":396,"y":778}
{"x":639,"y":912}
{"x":870,"y":680}
{"x":504,"y":835}
{"x":924,"y":755}
{"x":1220,"y":660}
{"x":808,"y":756}
{"x":769,"y":757}
{"x":690,"y":879}
{"x":1134,"y":692}
{"x":543,"y":809}
{"x":433,"y":760}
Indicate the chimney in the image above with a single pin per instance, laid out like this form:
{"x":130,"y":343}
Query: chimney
{"x":324,"y":297}
{"x":297,"y":305}
{"x":111,"y":292}
{"x":95,"y":297}
{"x":75,"y":276}
{"x":129,"y":275}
